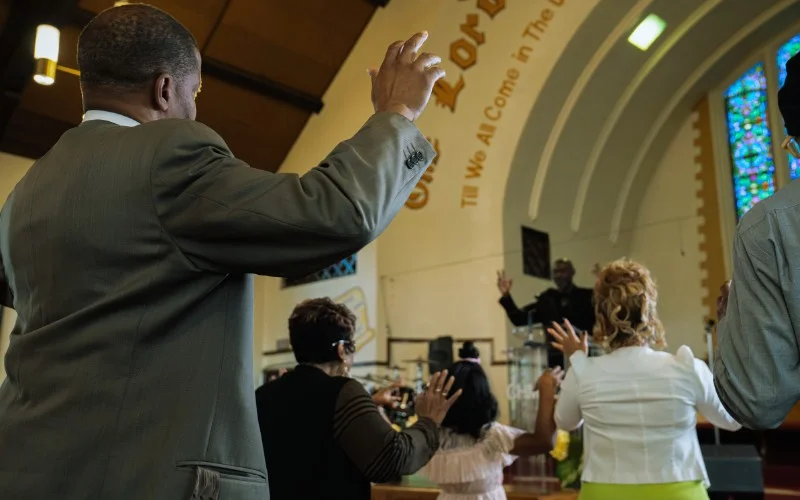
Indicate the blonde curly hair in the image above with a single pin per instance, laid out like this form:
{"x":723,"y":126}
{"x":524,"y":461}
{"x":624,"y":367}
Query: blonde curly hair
{"x":625,"y":299}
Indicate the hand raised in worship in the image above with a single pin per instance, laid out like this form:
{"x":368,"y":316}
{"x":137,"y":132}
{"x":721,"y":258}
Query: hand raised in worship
{"x":387,"y":396}
{"x":503,"y":283}
{"x":567,"y":341}
{"x":280,"y":374}
{"x":434,"y":403}
{"x":549,"y":381}
{"x":722,"y":300}
{"x":404,"y":82}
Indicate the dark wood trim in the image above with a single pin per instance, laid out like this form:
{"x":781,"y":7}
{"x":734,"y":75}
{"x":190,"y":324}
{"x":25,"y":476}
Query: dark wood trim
{"x":409,"y":340}
{"x":379,"y":3}
{"x":361,"y":364}
{"x":239,"y":78}
{"x":276,"y":352}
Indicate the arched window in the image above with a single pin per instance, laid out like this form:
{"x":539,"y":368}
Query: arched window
{"x":755,"y":171}
{"x":749,"y":139}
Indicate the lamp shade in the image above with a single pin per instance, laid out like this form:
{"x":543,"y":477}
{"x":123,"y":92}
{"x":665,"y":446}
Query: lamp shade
{"x":47,"y":38}
{"x":45,"y":51}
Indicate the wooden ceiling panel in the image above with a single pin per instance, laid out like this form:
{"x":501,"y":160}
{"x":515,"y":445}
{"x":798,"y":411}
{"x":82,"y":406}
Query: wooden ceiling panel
{"x":31,"y":135}
{"x":267,"y":64}
{"x":5,"y":6}
{"x":298,"y":43}
{"x":200,"y":16}
{"x":259,"y":130}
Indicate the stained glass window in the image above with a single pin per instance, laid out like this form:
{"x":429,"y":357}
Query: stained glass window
{"x":345,"y":267}
{"x":750,"y":139}
{"x":787,"y":50}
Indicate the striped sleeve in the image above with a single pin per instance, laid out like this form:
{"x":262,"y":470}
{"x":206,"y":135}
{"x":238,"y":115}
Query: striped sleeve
{"x":379,"y":452}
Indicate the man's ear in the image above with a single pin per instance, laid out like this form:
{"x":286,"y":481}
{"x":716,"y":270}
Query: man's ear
{"x":163,"y":92}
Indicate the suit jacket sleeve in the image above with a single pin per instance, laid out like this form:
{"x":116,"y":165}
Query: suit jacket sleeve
{"x":228,"y":217}
{"x":517,"y":316}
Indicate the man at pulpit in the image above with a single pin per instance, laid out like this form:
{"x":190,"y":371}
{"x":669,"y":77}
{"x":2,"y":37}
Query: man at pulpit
{"x":565,"y":301}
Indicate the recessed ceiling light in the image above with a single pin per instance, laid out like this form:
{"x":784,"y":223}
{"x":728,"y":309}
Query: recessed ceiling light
{"x":647,"y":32}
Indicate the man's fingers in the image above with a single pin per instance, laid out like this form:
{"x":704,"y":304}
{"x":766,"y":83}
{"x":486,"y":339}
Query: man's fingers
{"x":434,"y":74}
{"x":392,"y":53}
{"x":427,"y":60}
{"x":373,"y":74}
{"x":409,"y":51}
{"x":558,"y":346}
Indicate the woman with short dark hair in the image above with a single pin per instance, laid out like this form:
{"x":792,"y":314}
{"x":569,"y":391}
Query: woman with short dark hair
{"x":474,"y":446}
{"x":323,"y":435}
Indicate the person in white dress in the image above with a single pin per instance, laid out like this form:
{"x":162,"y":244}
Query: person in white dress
{"x":475,"y":448}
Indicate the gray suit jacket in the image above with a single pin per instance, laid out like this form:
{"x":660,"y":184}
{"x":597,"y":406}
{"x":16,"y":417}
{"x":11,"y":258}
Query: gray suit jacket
{"x":127,"y":254}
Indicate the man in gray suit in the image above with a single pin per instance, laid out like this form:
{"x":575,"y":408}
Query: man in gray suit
{"x":127,"y":252}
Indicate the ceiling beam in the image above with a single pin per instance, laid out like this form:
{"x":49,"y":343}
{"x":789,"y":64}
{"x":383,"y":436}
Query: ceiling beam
{"x":239,"y":78}
{"x":16,"y":48}
{"x":265,"y":87}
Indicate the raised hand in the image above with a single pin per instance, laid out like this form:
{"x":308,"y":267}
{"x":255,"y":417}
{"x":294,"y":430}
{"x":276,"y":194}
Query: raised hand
{"x":567,"y":341}
{"x":722,"y":300}
{"x":404,"y":82}
{"x":434,"y":403}
{"x":387,"y":396}
{"x":503,"y":283}
{"x":550,"y":380}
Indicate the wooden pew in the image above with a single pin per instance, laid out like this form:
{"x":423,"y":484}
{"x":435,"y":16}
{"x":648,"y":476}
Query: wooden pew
{"x":416,"y":489}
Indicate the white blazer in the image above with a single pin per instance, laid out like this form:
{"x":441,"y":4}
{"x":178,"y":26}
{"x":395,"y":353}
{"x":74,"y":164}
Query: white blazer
{"x":639,"y":410}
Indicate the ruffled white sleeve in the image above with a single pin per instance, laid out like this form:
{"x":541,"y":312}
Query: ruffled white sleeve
{"x":473,"y":463}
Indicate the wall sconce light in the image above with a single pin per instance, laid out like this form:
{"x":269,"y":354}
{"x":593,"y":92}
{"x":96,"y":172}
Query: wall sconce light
{"x":45,"y":51}
{"x":120,"y":2}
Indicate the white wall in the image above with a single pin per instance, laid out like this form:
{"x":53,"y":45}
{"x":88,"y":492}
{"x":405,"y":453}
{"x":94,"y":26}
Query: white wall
{"x":12,"y":168}
{"x":666,"y":239}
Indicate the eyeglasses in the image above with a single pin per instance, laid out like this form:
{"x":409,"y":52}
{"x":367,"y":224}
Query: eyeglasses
{"x":349,"y":346}
{"x":790,"y":144}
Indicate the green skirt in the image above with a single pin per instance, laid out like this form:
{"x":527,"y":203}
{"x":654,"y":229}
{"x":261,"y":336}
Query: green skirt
{"x":690,"y":490}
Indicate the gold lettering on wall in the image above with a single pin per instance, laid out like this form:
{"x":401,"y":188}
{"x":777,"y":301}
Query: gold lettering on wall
{"x":419,"y":196}
{"x":469,"y":196}
{"x":494,"y":111}
{"x":464,"y":52}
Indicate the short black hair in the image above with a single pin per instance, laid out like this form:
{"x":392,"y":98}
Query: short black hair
{"x":316,"y":326}
{"x":130,"y":45}
{"x":476,"y":408}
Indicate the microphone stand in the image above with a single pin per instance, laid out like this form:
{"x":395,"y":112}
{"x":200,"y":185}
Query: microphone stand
{"x":710,"y":346}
